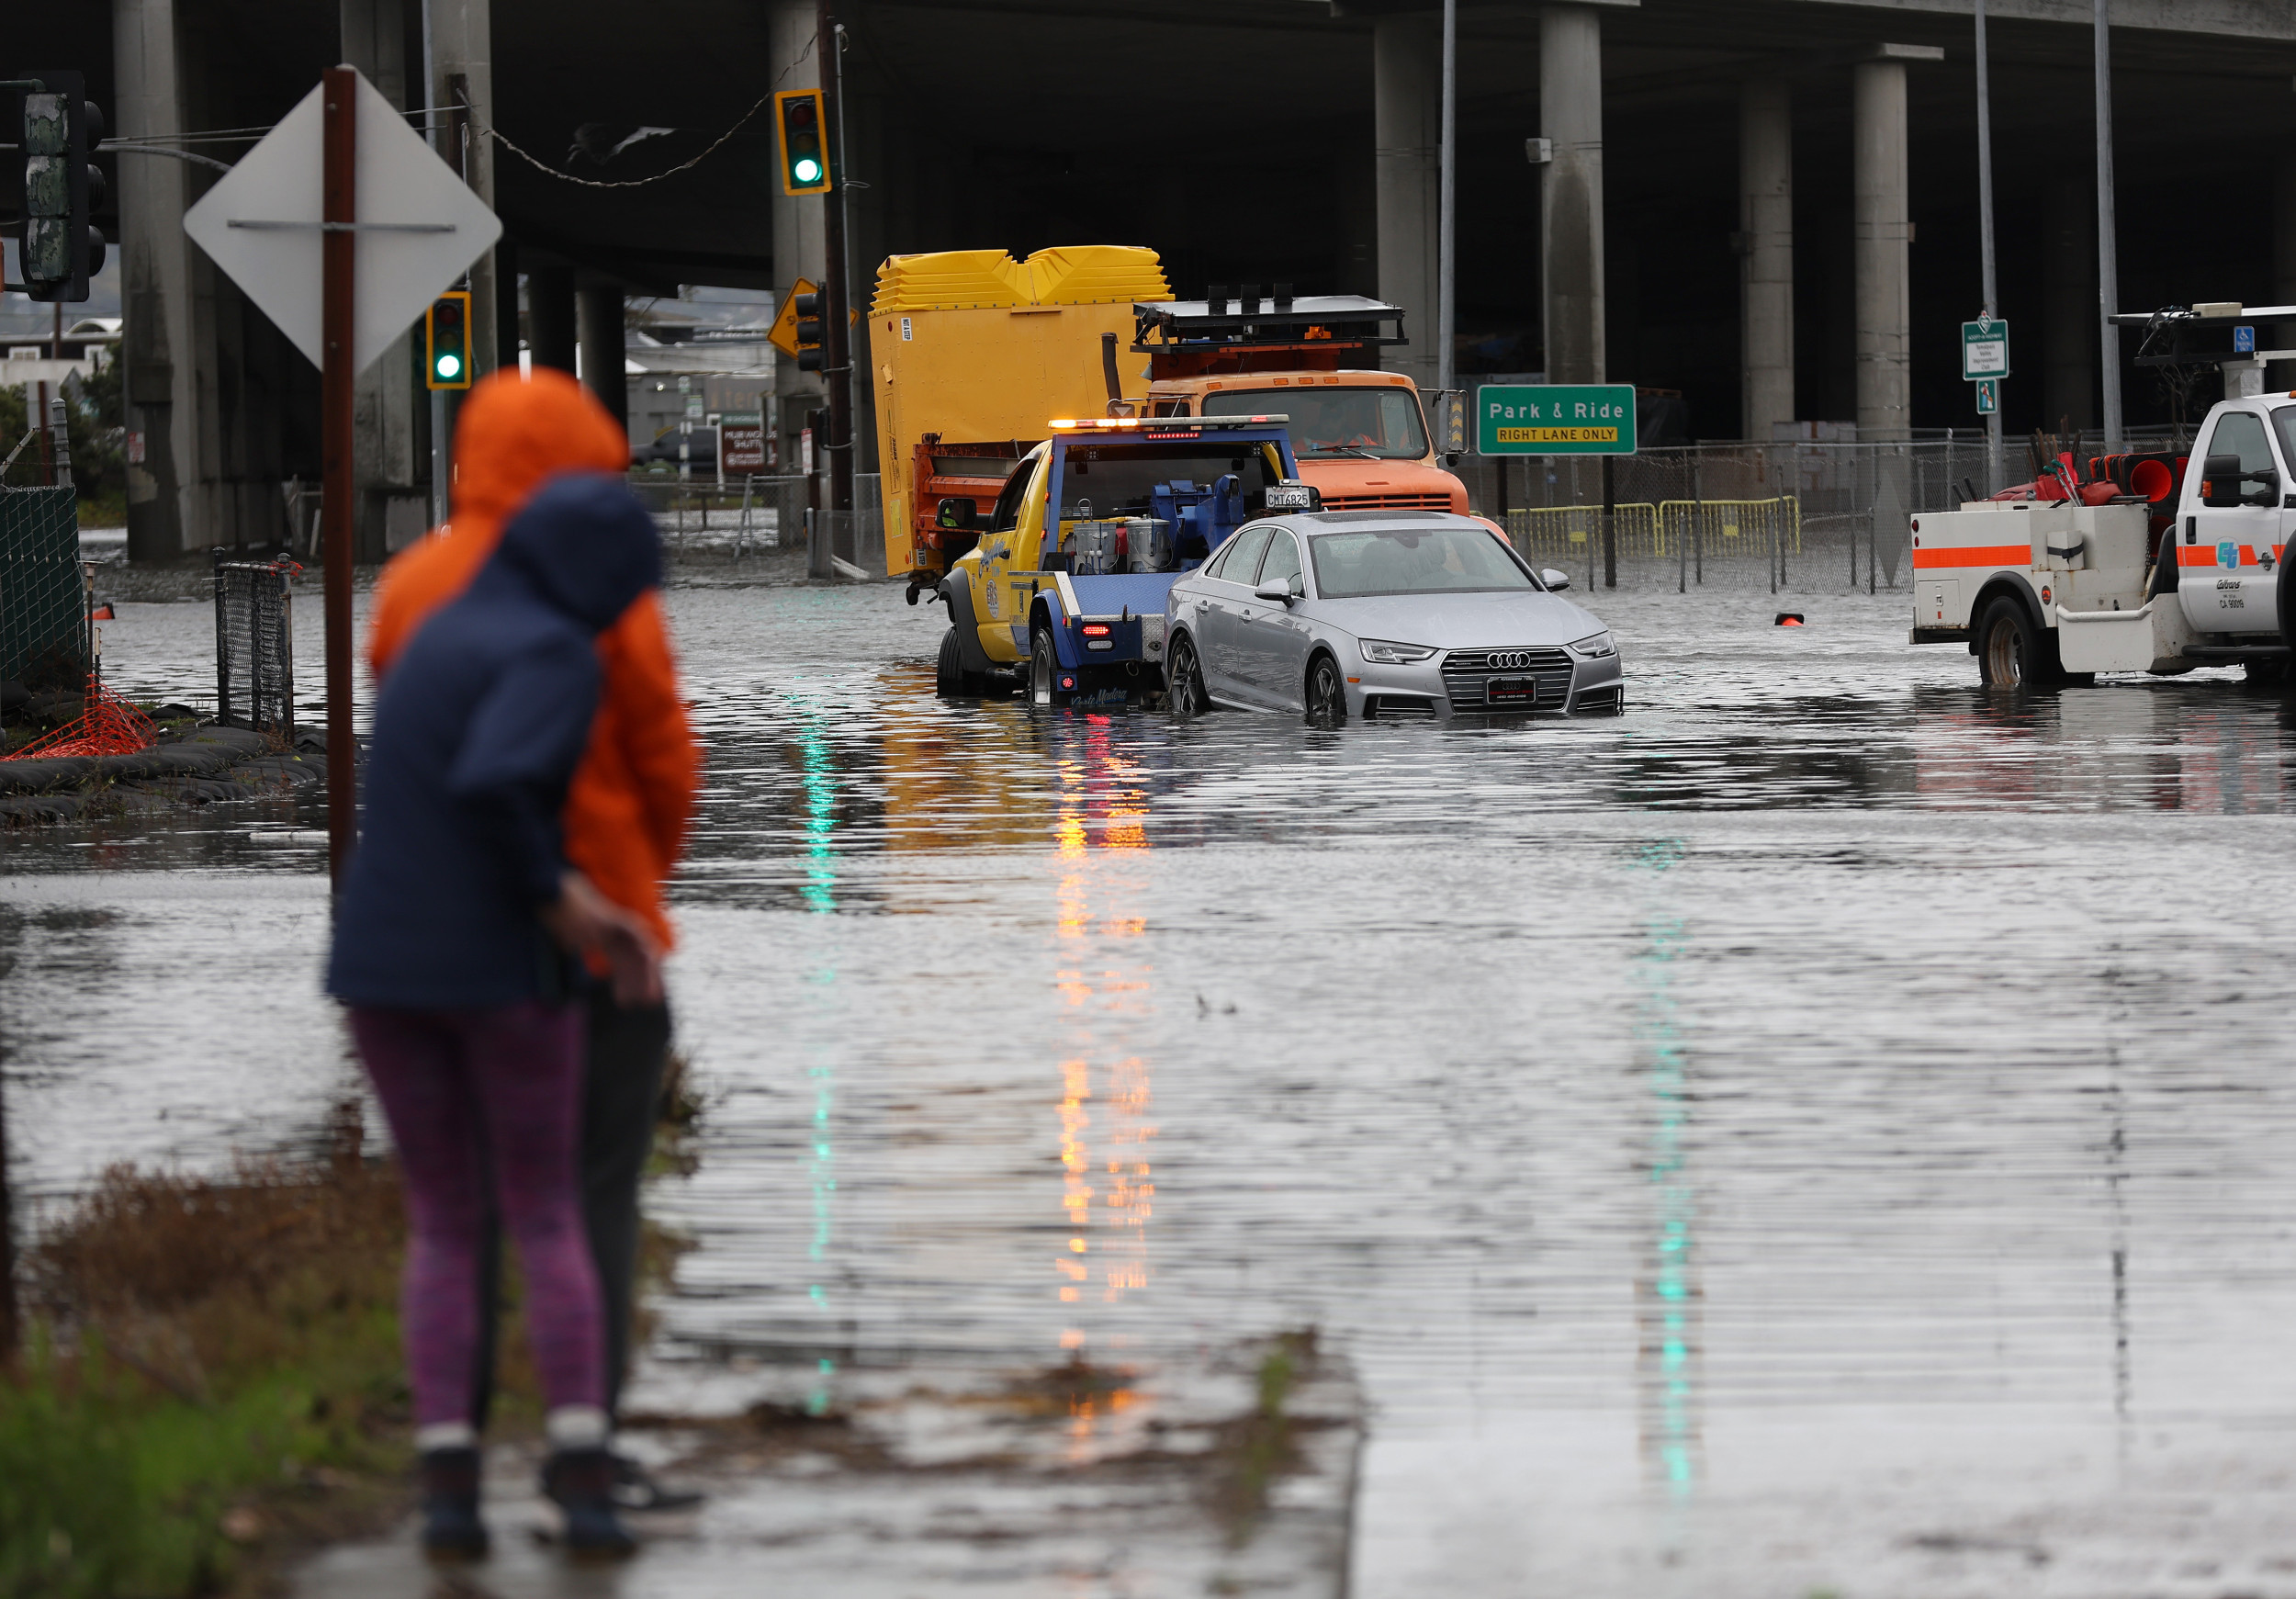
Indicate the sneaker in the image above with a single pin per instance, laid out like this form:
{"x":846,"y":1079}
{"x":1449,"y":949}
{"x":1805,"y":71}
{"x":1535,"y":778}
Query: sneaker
{"x":581,"y":1484}
{"x":450,"y":1527}
{"x":636,"y":1488}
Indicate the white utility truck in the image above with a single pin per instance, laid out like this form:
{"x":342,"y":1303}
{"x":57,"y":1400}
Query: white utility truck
{"x":2050,"y":590}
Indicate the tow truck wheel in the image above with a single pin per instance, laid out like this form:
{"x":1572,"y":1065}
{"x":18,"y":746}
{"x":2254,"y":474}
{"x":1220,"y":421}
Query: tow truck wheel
{"x":1327,"y":694}
{"x":1045,"y":671}
{"x":1186,"y":695}
{"x":949,"y":671}
{"x":2010,"y":652}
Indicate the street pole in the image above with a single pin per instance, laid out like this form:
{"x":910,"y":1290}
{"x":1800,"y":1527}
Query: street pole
{"x":338,"y":210}
{"x":837,"y":341}
{"x":2108,"y":251}
{"x":1446,"y":262}
{"x":440,"y":443}
{"x":1984,"y":237}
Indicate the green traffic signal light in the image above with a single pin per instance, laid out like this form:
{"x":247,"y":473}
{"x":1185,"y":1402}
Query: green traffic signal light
{"x":805,"y":150}
{"x":446,"y":341}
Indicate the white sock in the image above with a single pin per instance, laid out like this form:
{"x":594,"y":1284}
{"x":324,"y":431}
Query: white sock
{"x":444,"y":1435}
{"x":576,"y":1426}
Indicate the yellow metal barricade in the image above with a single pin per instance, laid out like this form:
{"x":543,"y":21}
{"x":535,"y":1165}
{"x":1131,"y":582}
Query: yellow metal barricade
{"x":1567,"y":530}
{"x":1729,"y":527}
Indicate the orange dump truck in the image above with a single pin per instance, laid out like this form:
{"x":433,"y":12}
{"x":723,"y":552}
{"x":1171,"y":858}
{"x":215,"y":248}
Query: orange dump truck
{"x":976,"y":353}
{"x":1361,"y":436}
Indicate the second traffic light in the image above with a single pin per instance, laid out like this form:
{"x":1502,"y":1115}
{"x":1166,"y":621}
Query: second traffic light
{"x":61,"y":247}
{"x":446,"y":341}
{"x":812,"y":326}
{"x":805,"y":141}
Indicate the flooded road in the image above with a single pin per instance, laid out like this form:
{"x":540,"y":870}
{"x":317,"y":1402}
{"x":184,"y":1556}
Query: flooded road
{"x":1825,"y":1130}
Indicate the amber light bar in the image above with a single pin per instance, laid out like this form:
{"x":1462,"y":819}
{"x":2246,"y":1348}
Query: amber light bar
{"x":1163,"y":423}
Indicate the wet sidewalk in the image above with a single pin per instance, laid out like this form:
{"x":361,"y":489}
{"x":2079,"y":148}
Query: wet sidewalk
{"x":1232,"y":1475}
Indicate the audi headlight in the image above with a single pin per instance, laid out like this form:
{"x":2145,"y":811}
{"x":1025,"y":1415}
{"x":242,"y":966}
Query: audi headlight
{"x":1380,"y":652}
{"x":1594,"y":647}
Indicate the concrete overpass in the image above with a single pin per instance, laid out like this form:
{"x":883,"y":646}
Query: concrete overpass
{"x":1768,"y":205}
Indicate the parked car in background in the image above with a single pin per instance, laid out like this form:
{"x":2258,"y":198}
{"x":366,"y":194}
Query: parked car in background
{"x":1383,"y":613}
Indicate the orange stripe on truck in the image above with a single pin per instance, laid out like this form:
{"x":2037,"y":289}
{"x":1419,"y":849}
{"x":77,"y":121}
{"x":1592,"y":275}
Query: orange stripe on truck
{"x":1976,"y":554}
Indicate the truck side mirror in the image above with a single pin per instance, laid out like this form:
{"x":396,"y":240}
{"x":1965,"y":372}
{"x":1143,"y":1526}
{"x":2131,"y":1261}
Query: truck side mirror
{"x":957,"y":514}
{"x":2221,"y":480}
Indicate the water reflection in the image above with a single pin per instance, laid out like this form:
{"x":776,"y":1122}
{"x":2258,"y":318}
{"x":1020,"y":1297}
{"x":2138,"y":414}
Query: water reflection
{"x":1667,"y":1289}
{"x":817,"y":763}
{"x":1107,"y":992}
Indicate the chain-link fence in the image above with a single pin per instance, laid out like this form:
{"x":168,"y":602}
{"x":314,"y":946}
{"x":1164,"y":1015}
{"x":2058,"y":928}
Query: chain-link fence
{"x":44,"y":632}
{"x":254,"y":645}
{"x":750,"y":515}
{"x":1735,"y":511}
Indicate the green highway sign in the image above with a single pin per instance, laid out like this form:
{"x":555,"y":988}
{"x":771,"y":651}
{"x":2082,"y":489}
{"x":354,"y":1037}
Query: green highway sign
{"x":1555,"y":419}
{"x":1984,"y":349}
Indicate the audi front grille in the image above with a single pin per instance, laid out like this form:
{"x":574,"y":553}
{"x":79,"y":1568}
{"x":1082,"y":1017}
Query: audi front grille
{"x":1469,"y":673}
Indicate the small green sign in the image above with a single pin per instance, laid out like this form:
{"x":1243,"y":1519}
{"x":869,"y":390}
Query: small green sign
{"x":1984,"y":349}
{"x":1988,"y":396}
{"x":1555,"y":419}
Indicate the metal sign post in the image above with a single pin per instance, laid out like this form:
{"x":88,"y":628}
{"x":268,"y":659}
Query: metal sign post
{"x":338,"y":211}
{"x":1989,"y":393}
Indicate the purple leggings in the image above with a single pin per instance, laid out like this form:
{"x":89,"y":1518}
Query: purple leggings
{"x":461,"y":1087}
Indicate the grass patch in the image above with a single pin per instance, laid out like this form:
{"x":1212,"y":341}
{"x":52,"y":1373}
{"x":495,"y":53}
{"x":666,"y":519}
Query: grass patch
{"x":210,"y":1378}
{"x":1259,"y":1447}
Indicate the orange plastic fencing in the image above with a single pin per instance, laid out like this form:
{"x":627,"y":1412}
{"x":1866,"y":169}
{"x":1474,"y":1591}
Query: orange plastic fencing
{"x":110,"y":726}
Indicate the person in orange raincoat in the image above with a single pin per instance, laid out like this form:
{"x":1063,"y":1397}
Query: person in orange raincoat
{"x":626,"y":812}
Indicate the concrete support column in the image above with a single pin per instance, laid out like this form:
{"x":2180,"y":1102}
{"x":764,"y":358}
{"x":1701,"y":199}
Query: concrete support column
{"x":392,"y":505}
{"x":2282,"y":373}
{"x":462,"y":47}
{"x":795,"y":62}
{"x":550,"y":331}
{"x":2068,"y":322}
{"x":1407,"y":107}
{"x":1570,"y":209}
{"x":1884,"y":265}
{"x":163,"y":414}
{"x":598,"y":318}
{"x":1765,"y":166}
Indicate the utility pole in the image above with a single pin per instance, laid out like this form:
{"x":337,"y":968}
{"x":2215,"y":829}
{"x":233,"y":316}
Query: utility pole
{"x":441,"y":444}
{"x":2107,"y":250}
{"x":836,"y":345}
{"x":1446,"y":265}
{"x":338,"y":212}
{"x":1984,"y":237}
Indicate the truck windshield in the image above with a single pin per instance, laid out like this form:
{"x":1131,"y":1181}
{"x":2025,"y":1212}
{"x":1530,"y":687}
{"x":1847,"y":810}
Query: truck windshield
{"x":1380,"y":420}
{"x":1116,"y":480}
{"x":1441,"y":560}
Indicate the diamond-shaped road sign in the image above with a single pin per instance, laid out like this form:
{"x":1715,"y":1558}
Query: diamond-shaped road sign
{"x":419,"y":226}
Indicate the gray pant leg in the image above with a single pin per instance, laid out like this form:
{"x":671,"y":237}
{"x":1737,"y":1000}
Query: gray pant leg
{"x":629,"y":1047}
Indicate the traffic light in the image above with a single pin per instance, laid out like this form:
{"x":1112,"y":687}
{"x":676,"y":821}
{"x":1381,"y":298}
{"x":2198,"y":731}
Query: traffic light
{"x":60,"y":246}
{"x":812,"y":325}
{"x":805,"y":145}
{"x":446,"y":341}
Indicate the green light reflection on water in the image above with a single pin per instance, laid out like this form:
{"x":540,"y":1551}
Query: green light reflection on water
{"x":822,"y":781}
{"x":1674,"y":1445}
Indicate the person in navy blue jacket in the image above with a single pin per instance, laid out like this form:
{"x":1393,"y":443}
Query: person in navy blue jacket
{"x":458,"y":944}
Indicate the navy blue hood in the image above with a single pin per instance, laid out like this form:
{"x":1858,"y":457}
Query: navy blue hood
{"x":586,"y":544}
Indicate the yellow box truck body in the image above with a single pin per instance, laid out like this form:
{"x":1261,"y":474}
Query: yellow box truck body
{"x":974,"y":353}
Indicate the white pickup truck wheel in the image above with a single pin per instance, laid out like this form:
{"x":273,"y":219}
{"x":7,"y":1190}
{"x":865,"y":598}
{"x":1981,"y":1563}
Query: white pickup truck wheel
{"x":2012,"y":651}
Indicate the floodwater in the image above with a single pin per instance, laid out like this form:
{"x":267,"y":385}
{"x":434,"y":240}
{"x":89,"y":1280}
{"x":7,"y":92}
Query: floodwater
{"x":1826,"y":1130}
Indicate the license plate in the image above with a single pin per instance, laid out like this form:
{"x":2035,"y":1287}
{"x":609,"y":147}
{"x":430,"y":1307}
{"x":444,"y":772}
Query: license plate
{"x":1510,"y":691}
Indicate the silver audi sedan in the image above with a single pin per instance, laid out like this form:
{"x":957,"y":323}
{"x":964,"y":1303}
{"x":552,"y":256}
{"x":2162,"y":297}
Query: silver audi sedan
{"x":1379,"y":614}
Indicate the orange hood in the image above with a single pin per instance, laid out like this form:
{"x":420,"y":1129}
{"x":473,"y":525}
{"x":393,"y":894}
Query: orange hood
{"x":515,"y":431}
